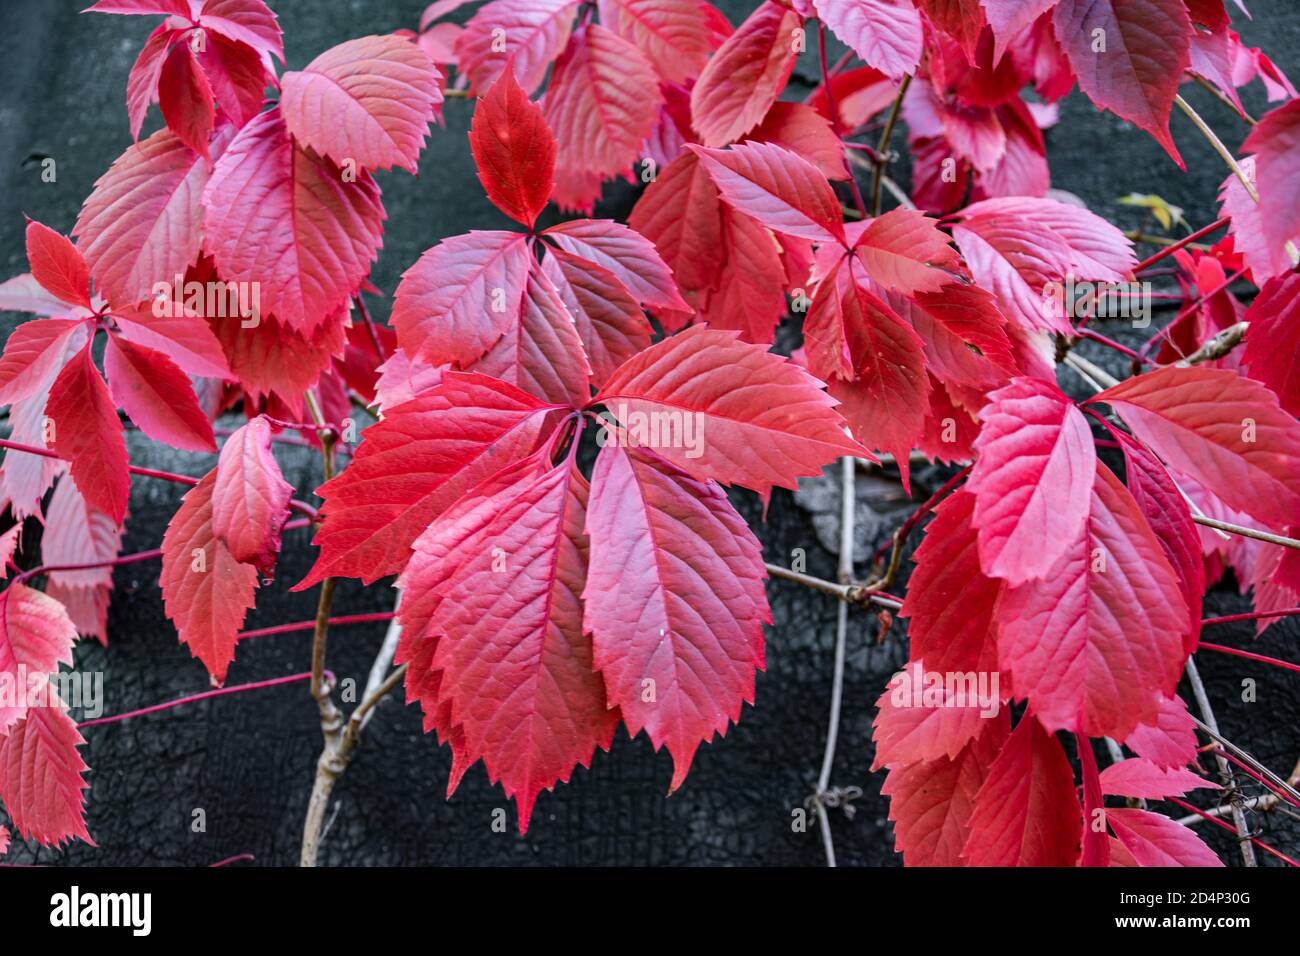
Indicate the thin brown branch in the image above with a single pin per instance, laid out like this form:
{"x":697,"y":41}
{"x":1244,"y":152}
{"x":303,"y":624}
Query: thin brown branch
{"x":882,"y":149}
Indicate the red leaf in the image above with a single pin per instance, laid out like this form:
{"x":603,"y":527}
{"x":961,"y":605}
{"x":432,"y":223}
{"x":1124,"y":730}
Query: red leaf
{"x":514,"y":151}
{"x":1156,"y":840}
{"x":142,"y":82}
{"x":88,"y":435}
{"x":528,"y":33}
{"x":1033,"y":479}
{"x":886,"y":34}
{"x":76,"y":533}
{"x":1009,"y":17}
{"x":1026,"y":812}
{"x":779,"y":188}
{"x":179,"y":8}
{"x":966,"y":342}
{"x":1147,"y":781}
{"x":541,"y":351}
{"x":903,"y":251}
{"x":36,"y":636}
{"x":157,"y":395}
{"x":1275,"y":142}
{"x":920,"y":719}
{"x":624,"y":252}
{"x":681,"y":213}
{"x":1274,"y":339}
{"x":609,"y":321}
{"x":1225,"y":431}
{"x":747,"y":293}
{"x":142,"y":225}
{"x":1096,"y":842}
{"x":758,"y":420}
{"x":271,"y":359}
{"x":250,"y":498}
{"x":746,"y":75}
{"x":1136,"y":74}
{"x":186,"y":339}
{"x":802,"y":130}
{"x":286,"y":219}
{"x":206,"y":591}
{"x":33,"y":353}
{"x":963,"y":20}
{"x":41,"y":779}
{"x":677,"y":35}
{"x":368,"y":101}
{"x":420,"y":458}
{"x":461,"y":296}
{"x":1098,"y":642}
{"x":950,"y":603}
{"x":519,"y":673}
{"x":602,"y":102}
{"x":931,"y":803}
{"x":4,"y":841}
{"x":186,"y":99}
{"x":57,"y":265}
{"x":237,"y":74}
{"x":1264,"y":256}
{"x":674,"y":601}
{"x":1167,"y":512}
{"x":249,"y":21}
{"x":1170,"y":739}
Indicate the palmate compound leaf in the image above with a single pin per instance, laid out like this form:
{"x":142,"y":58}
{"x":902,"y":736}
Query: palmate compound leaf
{"x":1225,"y":431}
{"x":515,"y":666}
{"x":746,"y":74}
{"x":1097,"y":643}
{"x":741,"y":415}
{"x":675,"y":603}
{"x":35,"y":638}
{"x":206,"y":591}
{"x":413,"y":464}
{"x":1026,"y":812}
{"x":287,"y":219}
{"x":369,"y":101}
{"x":1135,"y":67}
{"x":514,"y":150}
{"x":250,"y":498}
{"x":1032,"y":480}
{"x":41,"y":775}
{"x":930,"y":802}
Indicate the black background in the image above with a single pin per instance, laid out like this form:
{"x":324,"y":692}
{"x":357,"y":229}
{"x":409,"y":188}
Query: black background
{"x":247,"y":760}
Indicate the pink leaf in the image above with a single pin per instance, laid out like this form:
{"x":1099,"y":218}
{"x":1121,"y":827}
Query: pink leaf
{"x":419,"y":459}
{"x":1275,"y":142}
{"x":1147,"y":781}
{"x":528,"y":33}
{"x":35,"y":638}
{"x":142,"y":224}
{"x":1156,"y":840}
{"x":185,"y":338}
{"x":1097,"y":643}
{"x":368,"y":101}
{"x":677,"y":35}
{"x":1225,"y":431}
{"x":903,"y":251}
{"x":286,"y":219}
{"x":1032,"y":481}
{"x":88,"y":435}
{"x":950,"y":603}
{"x":918,"y":722}
{"x":461,"y":296}
{"x":624,"y":252}
{"x":41,"y":776}
{"x":777,"y":187}
{"x":758,"y":419}
{"x":33,"y":353}
{"x":57,"y":265}
{"x":206,"y":591}
{"x":674,"y":596}
{"x":886,"y":34}
{"x":248,"y":21}
{"x":157,"y":395}
{"x":931,"y":803}
{"x":142,"y":82}
{"x":1274,"y":339}
{"x":1136,"y":74}
{"x":1009,"y":17}
{"x":186,"y":99}
{"x":1170,"y":739}
{"x":746,"y":75}
{"x":250,"y":498}
{"x":1265,"y":258}
{"x":1026,"y":812}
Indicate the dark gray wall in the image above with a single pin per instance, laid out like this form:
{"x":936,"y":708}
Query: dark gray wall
{"x":248,"y":759}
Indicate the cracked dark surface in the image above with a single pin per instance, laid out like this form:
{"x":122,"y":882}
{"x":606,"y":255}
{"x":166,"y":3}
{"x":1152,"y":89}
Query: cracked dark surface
{"x":247,"y":760}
